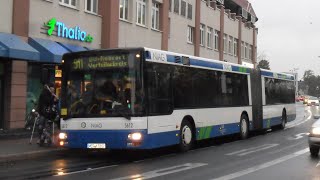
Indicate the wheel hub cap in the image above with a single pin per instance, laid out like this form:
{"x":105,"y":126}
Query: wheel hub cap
{"x":244,"y":126}
{"x":186,"y":135}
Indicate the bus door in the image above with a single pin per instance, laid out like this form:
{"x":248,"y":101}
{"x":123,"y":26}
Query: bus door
{"x":256,"y":96}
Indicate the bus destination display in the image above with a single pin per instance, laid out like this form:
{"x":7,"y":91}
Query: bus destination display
{"x":100,"y":62}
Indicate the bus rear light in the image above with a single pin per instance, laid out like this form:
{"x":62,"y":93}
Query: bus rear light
{"x":135,"y":136}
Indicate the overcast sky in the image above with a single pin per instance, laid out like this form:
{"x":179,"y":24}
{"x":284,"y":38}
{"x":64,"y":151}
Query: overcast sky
{"x":289,"y":34}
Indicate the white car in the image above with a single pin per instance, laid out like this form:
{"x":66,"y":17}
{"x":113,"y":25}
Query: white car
{"x":313,"y":102}
{"x":314,"y":139}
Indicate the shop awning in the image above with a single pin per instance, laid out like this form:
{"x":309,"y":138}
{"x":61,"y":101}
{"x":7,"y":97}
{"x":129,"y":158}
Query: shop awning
{"x":50,"y":51}
{"x":12,"y":46}
{"x":72,"y":47}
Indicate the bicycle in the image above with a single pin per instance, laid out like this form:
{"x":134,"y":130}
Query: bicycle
{"x":31,"y":116}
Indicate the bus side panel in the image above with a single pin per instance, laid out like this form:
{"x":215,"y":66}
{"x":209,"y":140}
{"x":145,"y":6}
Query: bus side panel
{"x":256,"y":93}
{"x":209,"y":122}
{"x":272,"y":115}
{"x":291,"y":112}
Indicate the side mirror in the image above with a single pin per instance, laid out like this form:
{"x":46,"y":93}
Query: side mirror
{"x":44,"y":75}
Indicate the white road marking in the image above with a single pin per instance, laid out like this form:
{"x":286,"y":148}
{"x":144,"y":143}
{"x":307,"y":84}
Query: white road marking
{"x":61,"y":173}
{"x":318,"y":164}
{"x":164,"y":171}
{"x":262,"y":166}
{"x":298,"y":136}
{"x":244,"y":152}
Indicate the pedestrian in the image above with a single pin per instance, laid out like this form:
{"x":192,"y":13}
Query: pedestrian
{"x":47,"y":109}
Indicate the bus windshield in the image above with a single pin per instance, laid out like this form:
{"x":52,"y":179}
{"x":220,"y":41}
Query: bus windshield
{"x":105,"y":85}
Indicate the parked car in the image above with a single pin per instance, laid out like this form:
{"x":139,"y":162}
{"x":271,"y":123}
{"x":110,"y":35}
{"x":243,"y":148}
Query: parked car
{"x":313,"y":102}
{"x":314,"y":139}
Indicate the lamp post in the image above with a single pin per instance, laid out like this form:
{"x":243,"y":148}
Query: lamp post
{"x":295,"y":73}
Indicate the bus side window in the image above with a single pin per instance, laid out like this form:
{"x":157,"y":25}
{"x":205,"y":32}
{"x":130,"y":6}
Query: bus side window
{"x":159,"y":92}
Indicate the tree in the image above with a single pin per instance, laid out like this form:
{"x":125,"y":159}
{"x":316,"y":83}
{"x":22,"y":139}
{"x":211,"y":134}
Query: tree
{"x":312,"y":83}
{"x":264,"y":64}
{"x":263,"y":61}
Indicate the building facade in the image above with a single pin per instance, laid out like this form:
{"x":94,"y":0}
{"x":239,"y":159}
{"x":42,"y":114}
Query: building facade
{"x":36,"y":33}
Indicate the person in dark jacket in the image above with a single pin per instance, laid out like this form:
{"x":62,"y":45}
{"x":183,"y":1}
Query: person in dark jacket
{"x":47,"y":108}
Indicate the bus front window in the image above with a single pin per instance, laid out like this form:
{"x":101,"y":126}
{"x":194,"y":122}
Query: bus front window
{"x":104,"y":92}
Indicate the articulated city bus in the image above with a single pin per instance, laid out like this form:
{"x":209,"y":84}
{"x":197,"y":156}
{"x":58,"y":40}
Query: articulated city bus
{"x":142,"y":98}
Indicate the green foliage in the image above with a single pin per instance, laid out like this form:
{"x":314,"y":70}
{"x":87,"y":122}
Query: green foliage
{"x":264,"y":64}
{"x":311,"y":83}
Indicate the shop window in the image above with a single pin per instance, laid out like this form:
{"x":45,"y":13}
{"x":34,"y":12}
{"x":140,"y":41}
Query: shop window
{"x":92,"y":6}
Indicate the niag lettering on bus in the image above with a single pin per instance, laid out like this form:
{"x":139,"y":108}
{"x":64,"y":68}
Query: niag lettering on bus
{"x":158,"y":56}
{"x":96,"y":125}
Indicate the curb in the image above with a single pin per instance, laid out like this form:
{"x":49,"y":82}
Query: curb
{"x":28,"y":155}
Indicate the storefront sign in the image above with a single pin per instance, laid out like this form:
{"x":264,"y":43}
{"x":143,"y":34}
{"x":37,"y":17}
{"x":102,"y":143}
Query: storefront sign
{"x":63,"y":31}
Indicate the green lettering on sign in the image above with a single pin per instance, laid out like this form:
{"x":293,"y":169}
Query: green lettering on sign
{"x":100,"y":62}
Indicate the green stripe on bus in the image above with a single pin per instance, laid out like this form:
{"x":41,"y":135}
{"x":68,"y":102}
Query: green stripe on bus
{"x":204,"y":132}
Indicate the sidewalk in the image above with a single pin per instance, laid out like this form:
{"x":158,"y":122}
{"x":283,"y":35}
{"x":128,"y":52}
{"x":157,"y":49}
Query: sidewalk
{"x":14,"y":145}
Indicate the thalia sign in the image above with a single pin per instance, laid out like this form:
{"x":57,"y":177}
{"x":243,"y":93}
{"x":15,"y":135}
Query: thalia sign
{"x":70,"y":33}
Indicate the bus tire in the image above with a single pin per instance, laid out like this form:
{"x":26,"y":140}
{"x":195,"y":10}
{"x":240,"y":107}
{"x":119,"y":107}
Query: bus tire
{"x":314,"y":151}
{"x":244,"y":127}
{"x":186,"y":136}
{"x":283,"y":120}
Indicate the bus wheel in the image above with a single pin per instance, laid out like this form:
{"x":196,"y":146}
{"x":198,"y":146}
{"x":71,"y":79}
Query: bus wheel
{"x":186,"y":136}
{"x":283,"y":120}
{"x":244,"y":127}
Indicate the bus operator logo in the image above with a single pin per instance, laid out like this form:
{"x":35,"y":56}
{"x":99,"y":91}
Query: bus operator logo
{"x":70,"y":33}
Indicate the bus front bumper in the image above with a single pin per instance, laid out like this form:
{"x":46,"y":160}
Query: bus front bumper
{"x":116,"y":139}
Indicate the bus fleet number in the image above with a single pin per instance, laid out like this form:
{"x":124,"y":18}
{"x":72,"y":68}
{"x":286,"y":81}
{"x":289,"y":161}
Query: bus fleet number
{"x":128,"y":125}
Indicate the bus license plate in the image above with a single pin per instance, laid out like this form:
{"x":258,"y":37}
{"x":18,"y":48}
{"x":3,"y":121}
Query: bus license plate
{"x":96,"y":145}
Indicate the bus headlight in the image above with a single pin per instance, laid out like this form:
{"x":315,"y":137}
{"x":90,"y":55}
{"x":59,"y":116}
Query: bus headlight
{"x":315,"y":131}
{"x":62,"y":136}
{"x":135,"y":136}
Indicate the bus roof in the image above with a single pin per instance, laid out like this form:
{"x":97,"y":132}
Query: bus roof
{"x":195,"y":61}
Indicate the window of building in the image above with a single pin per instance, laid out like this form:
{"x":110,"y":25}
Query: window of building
{"x":141,"y":12}
{"x":216,"y":40}
{"x":235,"y":47}
{"x":170,"y":5}
{"x":189,"y":11}
{"x":92,"y":6}
{"x":124,"y":9}
{"x":183,"y":8}
{"x":209,"y":37}
{"x":155,"y":15}
{"x":242,"y":49}
{"x":202,"y":34}
{"x":70,"y":3}
{"x":230,"y":45}
{"x":250,"y":52}
{"x":190,"y":34}
{"x":246,"y":51}
{"x":225,"y":43}
{"x":176,"y":6}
